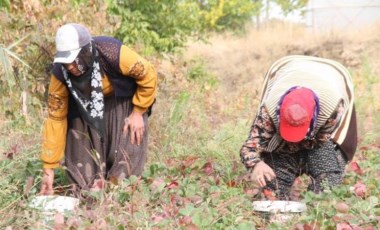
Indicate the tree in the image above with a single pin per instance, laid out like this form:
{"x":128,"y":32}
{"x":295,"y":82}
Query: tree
{"x":157,"y":25}
{"x":221,"y":15}
{"x":165,"y":25}
{"x":289,"y":6}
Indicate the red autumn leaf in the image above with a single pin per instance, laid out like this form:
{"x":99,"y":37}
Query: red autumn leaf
{"x":365,"y":228}
{"x":170,"y":210}
{"x":360,"y":189}
{"x":189,"y":161}
{"x":171,"y":162}
{"x":231,"y":183}
{"x":298,"y":226}
{"x":311,"y":226}
{"x":208,"y":168}
{"x":172,"y":185}
{"x":369,"y":228}
{"x":336,"y":219}
{"x":343,"y":226}
{"x":192,"y":227}
{"x":354,"y":166}
{"x":156,"y":183}
{"x":185,"y":220}
{"x":269,"y":194}
{"x":9,"y":155}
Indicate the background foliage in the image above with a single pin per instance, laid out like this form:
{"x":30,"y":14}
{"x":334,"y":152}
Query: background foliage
{"x":169,"y":24}
{"x":148,"y":26}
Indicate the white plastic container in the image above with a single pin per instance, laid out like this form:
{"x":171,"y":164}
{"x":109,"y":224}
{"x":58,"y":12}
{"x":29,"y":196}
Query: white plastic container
{"x":50,"y":205}
{"x":54,"y":203}
{"x":279,"y":211}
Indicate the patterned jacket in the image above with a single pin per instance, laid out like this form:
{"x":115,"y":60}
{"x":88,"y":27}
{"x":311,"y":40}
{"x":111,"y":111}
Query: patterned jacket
{"x":126,"y":74}
{"x":337,"y":118}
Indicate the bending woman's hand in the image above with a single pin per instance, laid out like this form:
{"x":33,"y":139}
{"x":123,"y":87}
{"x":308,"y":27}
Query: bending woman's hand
{"x":47,"y":182}
{"x":262,"y":172}
{"x":135,"y":125}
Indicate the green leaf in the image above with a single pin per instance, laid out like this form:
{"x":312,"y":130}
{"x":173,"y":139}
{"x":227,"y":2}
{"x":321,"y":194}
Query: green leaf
{"x":188,"y":210}
{"x":245,"y":226}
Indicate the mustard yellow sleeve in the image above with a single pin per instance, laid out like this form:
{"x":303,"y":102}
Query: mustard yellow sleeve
{"x":55,"y":126}
{"x":133,"y":65}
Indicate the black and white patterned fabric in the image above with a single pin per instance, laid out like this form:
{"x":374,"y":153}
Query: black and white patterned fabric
{"x":325,"y":166}
{"x":87,"y":92}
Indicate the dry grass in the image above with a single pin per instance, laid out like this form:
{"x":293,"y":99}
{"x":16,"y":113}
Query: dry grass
{"x":215,"y":121}
{"x":239,"y":64}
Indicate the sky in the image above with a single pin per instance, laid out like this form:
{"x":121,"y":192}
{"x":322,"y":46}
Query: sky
{"x":330,"y":14}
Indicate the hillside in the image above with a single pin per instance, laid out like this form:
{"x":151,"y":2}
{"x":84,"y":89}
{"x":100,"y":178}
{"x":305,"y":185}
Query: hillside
{"x":240,"y":64}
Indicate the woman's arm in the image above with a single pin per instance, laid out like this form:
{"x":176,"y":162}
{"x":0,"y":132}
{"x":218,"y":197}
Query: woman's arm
{"x":262,"y":131}
{"x":54,"y":132}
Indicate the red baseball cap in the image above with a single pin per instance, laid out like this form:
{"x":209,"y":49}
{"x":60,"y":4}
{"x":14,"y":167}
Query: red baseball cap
{"x":296,"y":113}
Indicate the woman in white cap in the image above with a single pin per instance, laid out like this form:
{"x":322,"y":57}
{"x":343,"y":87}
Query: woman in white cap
{"x":306,"y":123}
{"x":99,"y":99}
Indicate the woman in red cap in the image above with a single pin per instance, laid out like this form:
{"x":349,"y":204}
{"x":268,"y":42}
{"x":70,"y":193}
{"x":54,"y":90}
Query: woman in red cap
{"x":306,"y":123}
{"x":99,"y":99}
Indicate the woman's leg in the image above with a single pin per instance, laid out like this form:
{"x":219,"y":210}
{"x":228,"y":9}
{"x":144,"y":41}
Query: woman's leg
{"x":123,"y":158}
{"x":325,"y":166}
{"x":89,"y":157}
{"x":84,"y":158}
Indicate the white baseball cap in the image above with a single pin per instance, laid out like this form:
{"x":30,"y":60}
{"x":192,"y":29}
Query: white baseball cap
{"x":69,"y":40}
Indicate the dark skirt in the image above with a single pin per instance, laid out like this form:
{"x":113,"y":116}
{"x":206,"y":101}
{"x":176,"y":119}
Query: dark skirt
{"x":88,"y":157}
{"x":324,"y":165}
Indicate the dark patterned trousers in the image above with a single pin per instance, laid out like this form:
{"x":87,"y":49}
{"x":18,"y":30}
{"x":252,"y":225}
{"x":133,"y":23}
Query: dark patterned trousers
{"x":325,"y":166}
{"x":88,"y":157}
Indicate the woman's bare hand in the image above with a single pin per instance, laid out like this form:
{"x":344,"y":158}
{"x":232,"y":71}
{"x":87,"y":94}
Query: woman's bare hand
{"x":47,"y":182}
{"x":262,"y":172}
{"x":134,"y":124}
